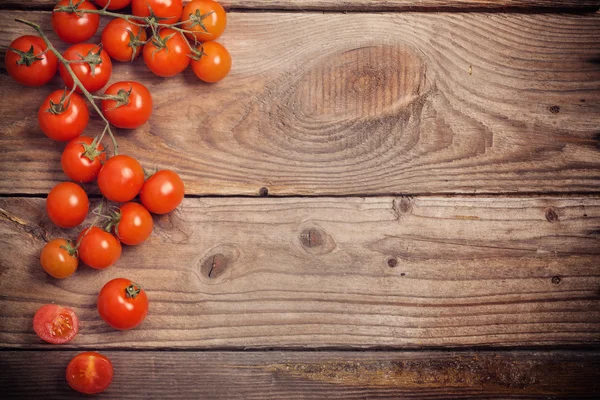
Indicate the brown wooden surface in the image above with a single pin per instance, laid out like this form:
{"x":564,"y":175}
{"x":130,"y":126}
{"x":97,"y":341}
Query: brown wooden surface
{"x":343,"y":104}
{"x":373,"y":5}
{"x":292,"y":375}
{"x":336,"y":273}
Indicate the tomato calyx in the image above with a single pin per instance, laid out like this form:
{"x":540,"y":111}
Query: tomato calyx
{"x":115,"y":218}
{"x":92,"y":58}
{"x":61,"y":106}
{"x":132,"y":290}
{"x":90,"y":151}
{"x":71,"y":8}
{"x":27,"y":57}
{"x":161,"y":43}
{"x":69,"y":248}
{"x":135,"y":43}
{"x":197,"y":53}
{"x":197,"y":19}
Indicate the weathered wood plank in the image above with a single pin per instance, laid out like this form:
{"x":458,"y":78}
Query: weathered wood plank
{"x":371,"y":5}
{"x":312,"y":375}
{"x":340,"y":104}
{"x":313,"y":273}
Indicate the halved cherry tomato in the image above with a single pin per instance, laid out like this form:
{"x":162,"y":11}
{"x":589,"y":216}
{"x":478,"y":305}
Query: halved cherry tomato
{"x":114,"y":4}
{"x":121,"y":178}
{"x":59,"y":258}
{"x":162,"y":192}
{"x":90,"y":372}
{"x":167,"y":55}
{"x":81,"y":160}
{"x":123,"y":40}
{"x":167,"y":11}
{"x":55,"y":324}
{"x":133,"y":224}
{"x":31,"y":67}
{"x":206,"y":18}
{"x":97,"y":248}
{"x":134,"y":107}
{"x":100,"y":65}
{"x":73,"y":27}
{"x":214,"y":63}
{"x":67,"y":205}
{"x":122,"y":304}
{"x":63,"y":118}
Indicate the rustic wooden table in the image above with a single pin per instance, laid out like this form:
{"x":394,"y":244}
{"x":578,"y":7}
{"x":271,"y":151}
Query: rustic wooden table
{"x":381,"y":203}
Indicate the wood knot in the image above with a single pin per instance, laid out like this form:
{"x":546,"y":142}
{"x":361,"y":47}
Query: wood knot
{"x":556,"y":279}
{"x":554,"y":109}
{"x":216,"y":265}
{"x":311,"y":238}
{"x":263,"y":192}
{"x":316,"y":241}
{"x":551,"y":215}
{"x":392,"y":262}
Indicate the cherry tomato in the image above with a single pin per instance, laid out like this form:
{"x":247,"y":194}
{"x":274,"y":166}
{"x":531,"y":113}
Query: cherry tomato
{"x":206,"y":18}
{"x":81,"y":160}
{"x":63,"y":118}
{"x":167,"y":56}
{"x":89,"y":372}
{"x":97,"y":248}
{"x":162,"y":192}
{"x":67,"y":205}
{"x":122,"y":304}
{"x":168,"y":11}
{"x":114,"y":4}
{"x":123,"y":40}
{"x":132,"y":224}
{"x":214,"y":63}
{"x":102,"y":68}
{"x":132,"y":110}
{"x":73,"y":27}
{"x":59,"y":258}
{"x":55,"y":324}
{"x":30,"y":67}
{"x":121,"y":179}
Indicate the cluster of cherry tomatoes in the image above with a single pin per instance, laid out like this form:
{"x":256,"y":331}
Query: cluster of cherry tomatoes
{"x":170,"y":37}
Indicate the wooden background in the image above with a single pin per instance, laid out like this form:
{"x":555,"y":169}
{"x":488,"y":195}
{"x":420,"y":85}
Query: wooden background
{"x":381,"y":203}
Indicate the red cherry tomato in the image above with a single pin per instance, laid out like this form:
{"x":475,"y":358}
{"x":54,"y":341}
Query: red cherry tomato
{"x":168,"y":11}
{"x":121,"y":38}
{"x":73,"y":27}
{"x":133,"y":224}
{"x":162,"y":192}
{"x":59,"y":258}
{"x":97,"y":248}
{"x":169,"y":56}
{"x":81,"y":161}
{"x":201,"y":14}
{"x":134,"y":107}
{"x":122,"y":304}
{"x":30,"y":67}
{"x":55,"y":324}
{"x":214,"y":63}
{"x":121,"y":179}
{"x":63,"y":118}
{"x":102,"y":68}
{"x":67,"y":205}
{"x":89,"y":372}
{"x":114,"y":4}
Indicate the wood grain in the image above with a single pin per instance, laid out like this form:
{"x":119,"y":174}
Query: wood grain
{"x":321,"y":104}
{"x":330,"y":273}
{"x":312,"y":375}
{"x":372,"y":5}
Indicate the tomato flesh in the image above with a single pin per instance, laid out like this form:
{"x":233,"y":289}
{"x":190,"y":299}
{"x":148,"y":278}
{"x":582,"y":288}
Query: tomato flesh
{"x":90,"y":372}
{"x":55,"y":324}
